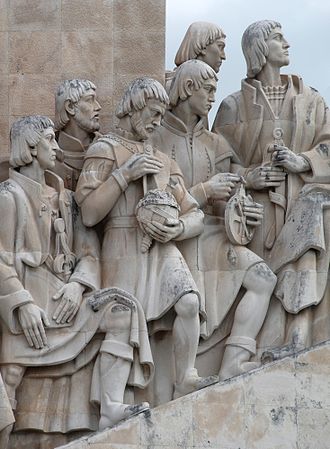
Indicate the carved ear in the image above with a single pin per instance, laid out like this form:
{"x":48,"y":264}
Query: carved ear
{"x":189,"y":87}
{"x":69,"y":107}
{"x":33,"y":151}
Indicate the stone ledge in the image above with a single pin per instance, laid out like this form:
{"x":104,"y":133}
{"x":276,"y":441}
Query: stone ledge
{"x":283,"y":405}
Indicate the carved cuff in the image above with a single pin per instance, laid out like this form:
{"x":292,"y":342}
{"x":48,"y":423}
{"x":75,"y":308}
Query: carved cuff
{"x":198,"y":192}
{"x":117,"y":174}
{"x":118,"y":349}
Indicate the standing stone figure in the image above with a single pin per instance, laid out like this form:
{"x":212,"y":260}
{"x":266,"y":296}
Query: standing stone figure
{"x":77,"y":122}
{"x":220,"y":268}
{"x":203,"y":41}
{"x":119,"y":171}
{"x":280,"y":130}
{"x":49,"y":263}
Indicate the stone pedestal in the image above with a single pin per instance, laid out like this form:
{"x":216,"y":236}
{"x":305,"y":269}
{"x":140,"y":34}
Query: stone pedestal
{"x":285,"y":405}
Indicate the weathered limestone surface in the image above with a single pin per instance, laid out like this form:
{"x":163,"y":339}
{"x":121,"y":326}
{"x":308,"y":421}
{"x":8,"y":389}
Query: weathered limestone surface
{"x":285,"y":405}
{"x":43,"y":42}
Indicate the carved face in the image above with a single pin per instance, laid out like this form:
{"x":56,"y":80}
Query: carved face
{"x":46,"y":149}
{"x":214,"y":54}
{"x":87,"y":112}
{"x":278,"y":48}
{"x":201,"y":100}
{"x":147,"y":119}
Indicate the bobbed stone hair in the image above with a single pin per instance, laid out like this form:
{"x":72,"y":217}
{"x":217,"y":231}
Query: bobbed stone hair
{"x":198,"y":36}
{"x":25,"y":134}
{"x":254,"y":45}
{"x":196,"y":72}
{"x":71,"y":90}
{"x":137,"y":93}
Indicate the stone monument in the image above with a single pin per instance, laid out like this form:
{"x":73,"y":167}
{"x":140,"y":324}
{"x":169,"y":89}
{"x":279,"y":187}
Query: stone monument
{"x":143,"y":257}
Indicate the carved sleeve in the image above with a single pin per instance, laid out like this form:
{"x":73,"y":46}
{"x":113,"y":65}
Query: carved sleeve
{"x":98,"y":189}
{"x":191,"y":216}
{"x":12,"y":292}
{"x":319,"y":155}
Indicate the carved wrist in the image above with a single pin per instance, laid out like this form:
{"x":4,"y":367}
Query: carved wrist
{"x":305,"y":164}
{"x":120,"y":178}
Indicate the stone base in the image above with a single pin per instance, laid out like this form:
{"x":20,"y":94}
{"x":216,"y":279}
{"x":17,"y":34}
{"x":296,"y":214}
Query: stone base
{"x":284,"y":405}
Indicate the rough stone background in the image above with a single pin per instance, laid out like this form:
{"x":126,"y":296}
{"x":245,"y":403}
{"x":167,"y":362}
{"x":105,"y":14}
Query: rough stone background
{"x":285,"y":405}
{"x":42,"y":42}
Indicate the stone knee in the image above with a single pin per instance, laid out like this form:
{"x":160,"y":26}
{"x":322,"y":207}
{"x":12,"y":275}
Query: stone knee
{"x":187,"y":306}
{"x":116,"y":322}
{"x":12,"y":376}
{"x":260,"y":279}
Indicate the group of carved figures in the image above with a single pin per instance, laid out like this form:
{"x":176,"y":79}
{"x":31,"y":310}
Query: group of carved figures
{"x":124,"y":255}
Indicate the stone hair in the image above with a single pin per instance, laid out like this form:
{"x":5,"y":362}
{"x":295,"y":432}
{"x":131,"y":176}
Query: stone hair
{"x":198,"y":36}
{"x":138,"y":92}
{"x":196,"y":72}
{"x":254,"y":45}
{"x":25,"y":134}
{"x":71,"y":90}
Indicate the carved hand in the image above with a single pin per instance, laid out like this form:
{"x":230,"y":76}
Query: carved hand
{"x":265,"y":176}
{"x":219,"y":187}
{"x":139,"y":165}
{"x":294,"y":163}
{"x":254,"y":214}
{"x":71,"y":297}
{"x":163,"y":233}
{"x":32,"y":320}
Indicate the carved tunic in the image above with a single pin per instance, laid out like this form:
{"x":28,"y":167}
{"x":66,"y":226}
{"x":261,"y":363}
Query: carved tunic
{"x":159,"y":277}
{"x":246,"y":120}
{"x":27,"y":274}
{"x":217,"y":266}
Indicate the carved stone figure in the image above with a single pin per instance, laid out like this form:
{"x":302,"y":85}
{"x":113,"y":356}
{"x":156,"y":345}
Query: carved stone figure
{"x":49,"y":276}
{"x":280,"y":130}
{"x":77,"y":122}
{"x":219,"y":267}
{"x":203,"y":41}
{"x":119,"y":170}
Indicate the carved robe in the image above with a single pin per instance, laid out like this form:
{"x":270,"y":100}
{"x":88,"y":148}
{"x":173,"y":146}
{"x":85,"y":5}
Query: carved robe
{"x":247,"y":121}
{"x":218,"y":266}
{"x":159,"y":277}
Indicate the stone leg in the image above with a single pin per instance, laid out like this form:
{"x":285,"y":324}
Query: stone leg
{"x":186,"y":332}
{"x":250,"y":314}
{"x":112,"y":369}
{"x":12,"y":377}
{"x":298,"y":336}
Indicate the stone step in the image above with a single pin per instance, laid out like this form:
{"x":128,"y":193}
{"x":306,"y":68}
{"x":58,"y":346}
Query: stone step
{"x":283,"y":405}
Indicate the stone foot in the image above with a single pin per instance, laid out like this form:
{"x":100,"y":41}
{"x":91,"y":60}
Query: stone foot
{"x":279,"y":353}
{"x":236,"y":370}
{"x":119,"y":412}
{"x":192,"y":383}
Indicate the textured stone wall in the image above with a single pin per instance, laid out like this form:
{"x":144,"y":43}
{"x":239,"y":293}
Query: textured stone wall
{"x":285,"y":405}
{"x":43,"y":42}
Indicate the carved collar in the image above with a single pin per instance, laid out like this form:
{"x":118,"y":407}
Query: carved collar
{"x":175,"y":125}
{"x":32,"y":188}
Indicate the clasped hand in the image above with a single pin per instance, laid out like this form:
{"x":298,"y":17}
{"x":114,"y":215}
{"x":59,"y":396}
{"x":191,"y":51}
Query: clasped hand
{"x":254,"y":213}
{"x":293,"y":163}
{"x":140,"y":165}
{"x":220,"y":186}
{"x":163,"y":233}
